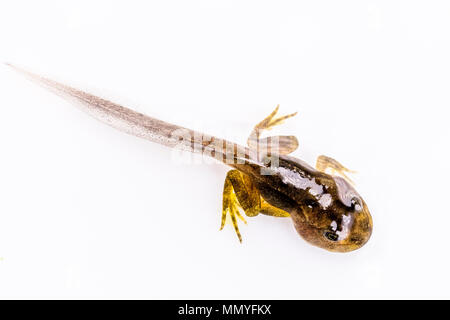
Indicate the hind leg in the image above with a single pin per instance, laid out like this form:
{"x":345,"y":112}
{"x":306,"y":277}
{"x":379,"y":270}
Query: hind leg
{"x":240,"y":192}
{"x":278,"y":144}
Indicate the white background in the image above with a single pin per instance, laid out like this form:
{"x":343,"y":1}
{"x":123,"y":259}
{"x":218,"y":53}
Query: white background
{"x":89,"y":212}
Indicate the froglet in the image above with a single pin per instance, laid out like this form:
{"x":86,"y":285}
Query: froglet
{"x":324,"y":206}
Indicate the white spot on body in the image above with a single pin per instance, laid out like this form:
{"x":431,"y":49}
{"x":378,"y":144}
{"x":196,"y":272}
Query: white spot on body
{"x":295,"y":179}
{"x":300,"y":182}
{"x":333,"y":225}
{"x":325,"y":200}
{"x":346,"y":225}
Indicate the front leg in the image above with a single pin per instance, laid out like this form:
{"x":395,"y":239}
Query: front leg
{"x":323,"y":163}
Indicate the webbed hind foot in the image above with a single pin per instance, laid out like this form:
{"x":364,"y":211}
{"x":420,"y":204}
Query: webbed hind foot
{"x":239,"y":192}
{"x":279,"y":144}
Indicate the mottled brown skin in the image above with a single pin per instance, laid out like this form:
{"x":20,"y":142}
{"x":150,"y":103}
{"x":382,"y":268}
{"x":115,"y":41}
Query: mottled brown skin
{"x":345,"y":224}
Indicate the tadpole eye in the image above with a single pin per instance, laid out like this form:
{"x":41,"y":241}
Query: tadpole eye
{"x":330,"y":235}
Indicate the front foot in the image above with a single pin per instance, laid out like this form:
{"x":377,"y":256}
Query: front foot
{"x":323,"y":163}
